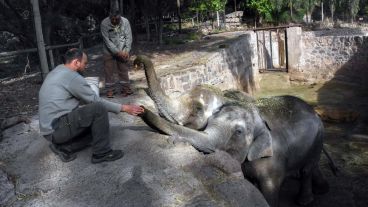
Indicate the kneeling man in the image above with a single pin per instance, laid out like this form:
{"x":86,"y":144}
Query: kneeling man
{"x":69,"y":125}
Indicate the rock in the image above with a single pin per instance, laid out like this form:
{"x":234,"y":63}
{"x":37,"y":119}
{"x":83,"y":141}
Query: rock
{"x":12,"y":121}
{"x":336,"y":114}
{"x":240,"y":193}
{"x":152,"y":172}
{"x":359,"y":137}
{"x":223,"y":161}
{"x":360,"y":131}
{"x":7,"y":188}
{"x":222,"y":175}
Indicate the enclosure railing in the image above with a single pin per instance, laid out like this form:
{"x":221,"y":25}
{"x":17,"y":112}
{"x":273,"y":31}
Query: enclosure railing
{"x":50,"y":49}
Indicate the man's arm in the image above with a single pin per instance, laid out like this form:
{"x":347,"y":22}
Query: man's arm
{"x":81,"y":89}
{"x":105,"y":36}
{"x":132,"y":109}
{"x":128,"y":35}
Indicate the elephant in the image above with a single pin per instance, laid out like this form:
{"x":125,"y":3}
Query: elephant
{"x":191,"y":109}
{"x":270,"y":137}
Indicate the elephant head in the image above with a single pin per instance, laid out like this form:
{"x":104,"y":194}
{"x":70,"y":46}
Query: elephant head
{"x":191,"y":109}
{"x":235,"y":128}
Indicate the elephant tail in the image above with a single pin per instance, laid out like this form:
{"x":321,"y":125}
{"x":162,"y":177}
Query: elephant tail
{"x":331,"y":163}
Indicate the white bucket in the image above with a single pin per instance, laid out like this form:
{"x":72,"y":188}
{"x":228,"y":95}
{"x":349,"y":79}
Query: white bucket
{"x":93,"y":82}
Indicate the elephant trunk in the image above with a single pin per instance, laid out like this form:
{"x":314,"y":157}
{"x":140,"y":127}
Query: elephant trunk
{"x":166,"y":106}
{"x":200,"y":140}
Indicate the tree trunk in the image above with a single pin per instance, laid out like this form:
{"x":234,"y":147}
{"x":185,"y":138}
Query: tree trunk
{"x":235,"y":5}
{"x":218,"y":19}
{"x":291,"y":9}
{"x":308,"y":12}
{"x":121,"y":7}
{"x":332,"y":9}
{"x":179,"y":14}
{"x":114,"y":5}
{"x":147,"y":26}
{"x":159,"y":29}
{"x":130,"y":15}
{"x":322,"y":16}
{"x":40,"y":41}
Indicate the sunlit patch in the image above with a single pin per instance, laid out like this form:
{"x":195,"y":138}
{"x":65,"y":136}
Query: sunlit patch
{"x":212,"y":107}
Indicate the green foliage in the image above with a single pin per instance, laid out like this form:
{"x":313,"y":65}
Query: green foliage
{"x":285,"y":17}
{"x":354,"y":8}
{"x":216,"y":5}
{"x":178,"y":39}
{"x":197,"y":5}
{"x":263,"y":7}
{"x":299,"y":15}
{"x":365,"y":10}
{"x":193,"y":36}
{"x":173,"y":41}
{"x":208,"y":5}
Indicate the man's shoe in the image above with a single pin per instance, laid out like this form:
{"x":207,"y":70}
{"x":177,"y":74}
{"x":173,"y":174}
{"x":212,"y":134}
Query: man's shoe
{"x":63,"y":155}
{"x":108,"y":156}
{"x":126,"y":91}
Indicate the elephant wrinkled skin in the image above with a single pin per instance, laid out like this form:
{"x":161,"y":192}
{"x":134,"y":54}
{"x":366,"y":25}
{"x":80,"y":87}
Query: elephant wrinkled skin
{"x":270,"y":137}
{"x":191,"y":109}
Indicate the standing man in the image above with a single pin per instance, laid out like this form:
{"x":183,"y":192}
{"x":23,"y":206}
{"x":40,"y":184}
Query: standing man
{"x":117,"y":38}
{"x":68,"y":125}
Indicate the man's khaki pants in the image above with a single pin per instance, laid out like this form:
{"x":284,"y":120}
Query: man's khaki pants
{"x":110,"y":64}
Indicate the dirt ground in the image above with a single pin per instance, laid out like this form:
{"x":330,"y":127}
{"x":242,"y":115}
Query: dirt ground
{"x":20,"y":98}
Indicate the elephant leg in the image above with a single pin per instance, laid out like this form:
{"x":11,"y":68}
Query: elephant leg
{"x":270,"y":188}
{"x":319,"y":183}
{"x":305,"y":195}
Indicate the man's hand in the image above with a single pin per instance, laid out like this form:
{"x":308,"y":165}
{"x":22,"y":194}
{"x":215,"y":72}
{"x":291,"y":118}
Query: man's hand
{"x":132,"y":109}
{"x":123,"y":55}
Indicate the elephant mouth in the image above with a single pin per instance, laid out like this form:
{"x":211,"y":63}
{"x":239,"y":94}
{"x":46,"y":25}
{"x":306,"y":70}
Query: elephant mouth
{"x":237,"y":155}
{"x":200,"y":129}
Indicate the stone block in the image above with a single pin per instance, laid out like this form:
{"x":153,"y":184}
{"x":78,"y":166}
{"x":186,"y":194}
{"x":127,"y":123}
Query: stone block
{"x":7,"y":188}
{"x":336,"y":114}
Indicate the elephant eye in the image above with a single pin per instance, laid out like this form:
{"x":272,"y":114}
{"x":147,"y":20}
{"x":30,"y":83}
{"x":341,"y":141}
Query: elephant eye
{"x":238,"y":131}
{"x":197,"y":106}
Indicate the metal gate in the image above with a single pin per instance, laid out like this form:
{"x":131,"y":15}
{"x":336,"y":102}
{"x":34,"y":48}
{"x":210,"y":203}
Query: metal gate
{"x":272,"y":49}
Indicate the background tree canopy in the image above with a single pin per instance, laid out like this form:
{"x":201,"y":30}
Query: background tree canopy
{"x":65,"y":21}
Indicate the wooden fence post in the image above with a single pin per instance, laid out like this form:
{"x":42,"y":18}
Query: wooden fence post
{"x":51,"y":56}
{"x":81,"y":46}
{"x":40,"y":41}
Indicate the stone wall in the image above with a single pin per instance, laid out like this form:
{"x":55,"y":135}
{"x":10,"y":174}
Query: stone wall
{"x":321,"y":56}
{"x":312,"y":57}
{"x":234,"y":19}
{"x":232,"y":66}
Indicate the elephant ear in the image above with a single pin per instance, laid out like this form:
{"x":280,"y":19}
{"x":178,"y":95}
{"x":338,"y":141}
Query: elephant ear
{"x":262,"y":144}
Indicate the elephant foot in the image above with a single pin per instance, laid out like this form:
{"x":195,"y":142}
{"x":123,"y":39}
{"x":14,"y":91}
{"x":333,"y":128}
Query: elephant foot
{"x":304,"y":200}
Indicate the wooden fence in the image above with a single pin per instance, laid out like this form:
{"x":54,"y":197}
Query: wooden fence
{"x":49,"y":49}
